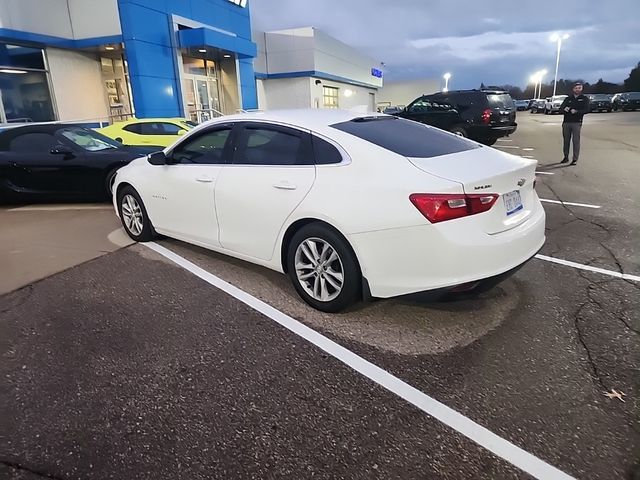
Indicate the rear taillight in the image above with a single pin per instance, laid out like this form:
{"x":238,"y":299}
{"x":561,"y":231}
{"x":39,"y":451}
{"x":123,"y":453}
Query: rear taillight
{"x":486,"y":115}
{"x":439,"y":207}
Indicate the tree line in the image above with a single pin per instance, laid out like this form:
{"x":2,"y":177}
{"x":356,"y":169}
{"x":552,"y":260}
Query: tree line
{"x":564,"y":86}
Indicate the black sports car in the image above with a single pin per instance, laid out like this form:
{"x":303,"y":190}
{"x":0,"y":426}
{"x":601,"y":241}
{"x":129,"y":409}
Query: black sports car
{"x":59,"y":162}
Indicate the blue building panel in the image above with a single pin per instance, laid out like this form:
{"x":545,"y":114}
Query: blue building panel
{"x":147,"y":32}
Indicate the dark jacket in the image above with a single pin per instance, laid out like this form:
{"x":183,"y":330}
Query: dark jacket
{"x":579,"y":103}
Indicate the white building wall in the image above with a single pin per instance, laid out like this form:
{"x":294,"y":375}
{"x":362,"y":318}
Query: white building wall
{"x":336,"y":58}
{"x":77,"y":85}
{"x":285,"y":93}
{"x":49,"y":17}
{"x":403,"y":93}
{"x":94,"y":18}
{"x":70,"y":19}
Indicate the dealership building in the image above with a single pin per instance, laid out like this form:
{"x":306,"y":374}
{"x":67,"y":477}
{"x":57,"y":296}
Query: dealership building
{"x":107,"y":60}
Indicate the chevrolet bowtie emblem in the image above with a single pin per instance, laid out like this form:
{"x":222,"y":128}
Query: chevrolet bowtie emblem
{"x":521,"y":182}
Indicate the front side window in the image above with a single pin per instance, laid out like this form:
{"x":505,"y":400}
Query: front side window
{"x":170,"y":128}
{"x":404,"y":137}
{"x":271,"y":146}
{"x":88,"y":139}
{"x":330,"y":97}
{"x":33,"y":143}
{"x":207,"y":148}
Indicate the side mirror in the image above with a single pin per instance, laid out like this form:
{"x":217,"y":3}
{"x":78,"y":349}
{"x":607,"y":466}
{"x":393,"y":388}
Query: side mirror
{"x":157,"y":158}
{"x":61,"y":150}
{"x":181,"y":132}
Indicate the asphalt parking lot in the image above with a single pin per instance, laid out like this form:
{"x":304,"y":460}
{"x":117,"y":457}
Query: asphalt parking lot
{"x":126,"y":365}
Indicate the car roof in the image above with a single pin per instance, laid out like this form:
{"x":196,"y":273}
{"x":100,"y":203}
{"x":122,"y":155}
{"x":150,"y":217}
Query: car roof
{"x":308,"y":118}
{"x":148,"y":120}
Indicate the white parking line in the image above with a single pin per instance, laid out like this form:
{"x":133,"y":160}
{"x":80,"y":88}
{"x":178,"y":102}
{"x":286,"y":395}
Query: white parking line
{"x":539,"y":173}
{"x":506,"y":146}
{"x":467,"y":427}
{"x":505,"y":140}
{"x":586,"y":205}
{"x":61,"y":208}
{"x":625,"y":276}
{"x":528,"y":149}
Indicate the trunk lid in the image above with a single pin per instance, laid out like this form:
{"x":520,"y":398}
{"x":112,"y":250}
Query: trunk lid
{"x":487,"y":170}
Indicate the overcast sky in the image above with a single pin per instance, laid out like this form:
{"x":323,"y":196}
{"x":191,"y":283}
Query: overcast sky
{"x":490,"y":41}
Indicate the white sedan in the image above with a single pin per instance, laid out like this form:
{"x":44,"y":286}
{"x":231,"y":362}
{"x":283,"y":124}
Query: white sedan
{"x":349,"y":206}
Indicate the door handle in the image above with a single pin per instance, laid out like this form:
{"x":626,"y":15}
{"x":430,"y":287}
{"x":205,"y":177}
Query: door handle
{"x":284,"y":186}
{"x":204,"y":179}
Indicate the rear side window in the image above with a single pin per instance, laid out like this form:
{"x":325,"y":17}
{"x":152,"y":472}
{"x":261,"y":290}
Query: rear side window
{"x":325,"y":153}
{"x":500,"y":100}
{"x":404,"y":137}
{"x":133,"y":128}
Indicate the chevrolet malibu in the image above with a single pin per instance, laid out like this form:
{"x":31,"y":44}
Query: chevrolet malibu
{"x":349,"y":206}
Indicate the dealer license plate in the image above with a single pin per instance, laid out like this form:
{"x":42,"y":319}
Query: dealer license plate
{"x":512,"y":202}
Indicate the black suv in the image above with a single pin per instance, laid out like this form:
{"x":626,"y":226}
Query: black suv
{"x":485,"y":115}
{"x":434,"y":113}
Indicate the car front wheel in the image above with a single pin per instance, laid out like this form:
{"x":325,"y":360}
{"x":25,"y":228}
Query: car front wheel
{"x":460,"y":131}
{"x":324,"y":269}
{"x":134,"y":217}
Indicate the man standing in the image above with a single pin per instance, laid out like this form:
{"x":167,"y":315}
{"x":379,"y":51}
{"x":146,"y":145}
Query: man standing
{"x":574,"y":107}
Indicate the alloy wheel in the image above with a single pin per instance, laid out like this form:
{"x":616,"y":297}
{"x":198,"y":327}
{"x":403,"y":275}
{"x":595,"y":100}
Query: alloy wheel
{"x":132,"y":214}
{"x":319,"y":269}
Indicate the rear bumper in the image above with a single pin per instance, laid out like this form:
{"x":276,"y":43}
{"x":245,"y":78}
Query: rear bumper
{"x":438,"y":257}
{"x":490,"y":131}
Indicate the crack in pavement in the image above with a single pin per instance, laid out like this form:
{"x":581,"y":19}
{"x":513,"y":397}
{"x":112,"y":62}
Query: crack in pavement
{"x":577,"y":217}
{"x":39,"y":473}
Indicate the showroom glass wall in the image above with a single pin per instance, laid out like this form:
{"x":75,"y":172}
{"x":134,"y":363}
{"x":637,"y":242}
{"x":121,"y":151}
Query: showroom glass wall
{"x":25,"y":90}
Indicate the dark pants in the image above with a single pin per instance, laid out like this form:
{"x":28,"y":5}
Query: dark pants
{"x":571,"y":131}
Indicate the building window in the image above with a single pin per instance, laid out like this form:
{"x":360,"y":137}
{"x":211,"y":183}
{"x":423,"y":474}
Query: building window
{"x":330,"y":97}
{"x":24,"y":85}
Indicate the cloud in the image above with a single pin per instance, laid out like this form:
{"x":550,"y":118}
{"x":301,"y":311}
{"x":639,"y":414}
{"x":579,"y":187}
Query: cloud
{"x":418,"y":39}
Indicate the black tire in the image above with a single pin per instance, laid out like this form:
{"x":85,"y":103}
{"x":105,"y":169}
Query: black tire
{"x":108,"y":181}
{"x":351,"y":291}
{"x":147,"y":233}
{"x":460,"y":131}
{"x":488,"y":141}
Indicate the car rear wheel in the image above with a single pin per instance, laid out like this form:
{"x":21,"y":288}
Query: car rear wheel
{"x":134,"y":216}
{"x":323,"y":268}
{"x":460,"y":131}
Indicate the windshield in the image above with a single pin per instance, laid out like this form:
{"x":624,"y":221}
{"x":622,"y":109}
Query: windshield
{"x":88,"y":139}
{"x":600,"y":96}
{"x":501,"y":100}
{"x":632,"y":95}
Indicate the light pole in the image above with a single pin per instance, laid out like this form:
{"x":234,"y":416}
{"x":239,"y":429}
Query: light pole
{"x":557,"y":37}
{"x":534,"y":79}
{"x":446,"y":77}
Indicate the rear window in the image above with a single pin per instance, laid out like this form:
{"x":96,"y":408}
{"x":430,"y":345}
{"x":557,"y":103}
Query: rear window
{"x":500,"y":100}
{"x":404,"y":137}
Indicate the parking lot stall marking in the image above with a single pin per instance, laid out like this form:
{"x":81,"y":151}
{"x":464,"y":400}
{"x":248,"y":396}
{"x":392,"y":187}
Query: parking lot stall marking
{"x":528,"y":149}
{"x":558,"y":202}
{"x":568,"y":263}
{"x":61,"y":208}
{"x":505,"y":140}
{"x":507,"y":146}
{"x":467,"y":427}
{"x":539,"y":173}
